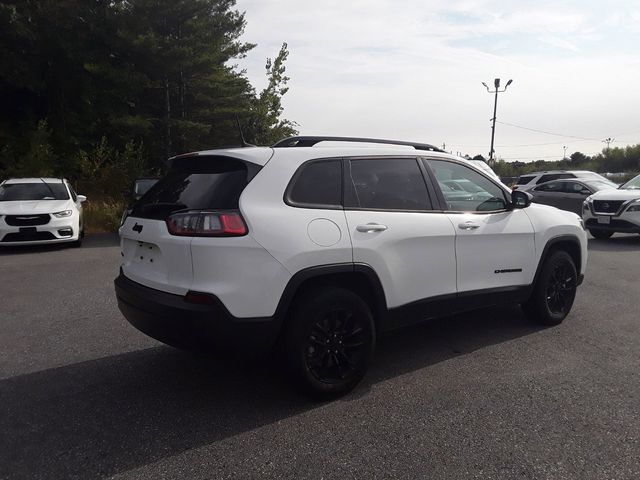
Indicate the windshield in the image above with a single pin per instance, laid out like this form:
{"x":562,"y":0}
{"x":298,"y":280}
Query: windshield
{"x":598,"y":185}
{"x":595,"y":176}
{"x":15,"y":192}
{"x":633,"y":184}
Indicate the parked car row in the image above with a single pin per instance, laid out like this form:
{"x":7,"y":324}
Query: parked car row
{"x":530,"y":180}
{"x":606,"y":208}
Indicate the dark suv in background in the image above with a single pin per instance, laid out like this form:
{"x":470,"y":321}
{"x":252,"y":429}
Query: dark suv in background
{"x":530,"y":180}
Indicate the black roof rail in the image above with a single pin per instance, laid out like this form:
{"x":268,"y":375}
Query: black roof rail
{"x":304,"y":141}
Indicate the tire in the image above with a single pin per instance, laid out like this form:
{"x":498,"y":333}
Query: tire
{"x":78,"y":243}
{"x":601,"y":234}
{"x":554,"y":291}
{"x":329,"y":341}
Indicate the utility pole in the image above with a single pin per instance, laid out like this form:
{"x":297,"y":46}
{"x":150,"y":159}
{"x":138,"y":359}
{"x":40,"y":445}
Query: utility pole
{"x":608,"y":141}
{"x":496,"y":84}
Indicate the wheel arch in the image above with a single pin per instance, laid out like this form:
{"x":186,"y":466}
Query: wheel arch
{"x":567,"y":243}
{"x":357,"y":277}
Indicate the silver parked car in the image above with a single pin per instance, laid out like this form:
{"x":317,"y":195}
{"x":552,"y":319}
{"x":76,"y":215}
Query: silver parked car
{"x":568,"y":193}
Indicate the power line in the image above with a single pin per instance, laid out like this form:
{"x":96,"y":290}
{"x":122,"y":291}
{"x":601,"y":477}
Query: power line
{"x":547,"y":133}
{"x":541,"y":157}
{"x":518,"y":145}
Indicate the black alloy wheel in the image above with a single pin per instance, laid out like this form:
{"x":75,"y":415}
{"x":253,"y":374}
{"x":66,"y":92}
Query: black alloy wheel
{"x":329,"y":341}
{"x":554,"y":291}
{"x":335,"y":346}
{"x":561,"y":288}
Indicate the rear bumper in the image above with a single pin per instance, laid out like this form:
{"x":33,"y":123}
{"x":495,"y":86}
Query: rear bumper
{"x":171,"y":320}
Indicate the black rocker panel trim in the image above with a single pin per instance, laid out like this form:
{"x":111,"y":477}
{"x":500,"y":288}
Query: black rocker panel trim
{"x":415,"y":312}
{"x":445,"y":305}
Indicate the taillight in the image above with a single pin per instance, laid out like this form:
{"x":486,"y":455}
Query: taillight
{"x":206,"y":224}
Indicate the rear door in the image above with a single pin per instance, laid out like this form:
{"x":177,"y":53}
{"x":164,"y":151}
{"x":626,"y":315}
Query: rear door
{"x":395,"y":229}
{"x":151,"y":255}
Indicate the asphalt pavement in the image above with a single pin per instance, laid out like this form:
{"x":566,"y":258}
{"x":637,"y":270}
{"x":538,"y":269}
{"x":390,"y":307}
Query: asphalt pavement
{"x":482,"y":395}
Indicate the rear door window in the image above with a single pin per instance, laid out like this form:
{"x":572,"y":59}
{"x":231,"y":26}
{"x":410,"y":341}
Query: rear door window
{"x":551,"y":187}
{"x":199,"y":183}
{"x":387,"y":184}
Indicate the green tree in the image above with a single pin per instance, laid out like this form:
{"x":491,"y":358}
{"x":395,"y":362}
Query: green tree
{"x":266,"y":125}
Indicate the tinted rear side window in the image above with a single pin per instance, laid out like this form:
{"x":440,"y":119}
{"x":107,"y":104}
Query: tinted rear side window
{"x":388,"y":184}
{"x":553,"y":176}
{"x":524,"y":180}
{"x":195,"y":184}
{"x":317,"y":184}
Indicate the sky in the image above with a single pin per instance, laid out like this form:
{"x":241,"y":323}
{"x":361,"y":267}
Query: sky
{"x":413,"y":70}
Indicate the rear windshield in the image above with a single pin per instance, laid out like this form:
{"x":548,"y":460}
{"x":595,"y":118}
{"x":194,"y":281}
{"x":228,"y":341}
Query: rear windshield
{"x":199,"y":183}
{"x":524,"y":180}
{"x":14,"y":192}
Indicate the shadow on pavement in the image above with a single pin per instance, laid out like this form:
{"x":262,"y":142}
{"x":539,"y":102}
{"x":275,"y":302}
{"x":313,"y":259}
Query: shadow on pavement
{"x":617,"y":243}
{"x":96,"y":240}
{"x":112,"y":414}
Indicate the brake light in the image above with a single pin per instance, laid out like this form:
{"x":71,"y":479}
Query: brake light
{"x":206,"y":224}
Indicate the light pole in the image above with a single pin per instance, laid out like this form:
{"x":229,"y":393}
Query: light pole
{"x":496,"y":83}
{"x":564,"y":154}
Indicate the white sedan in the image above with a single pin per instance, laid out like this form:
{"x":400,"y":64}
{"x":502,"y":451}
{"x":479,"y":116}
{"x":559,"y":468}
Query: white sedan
{"x":39,"y":211}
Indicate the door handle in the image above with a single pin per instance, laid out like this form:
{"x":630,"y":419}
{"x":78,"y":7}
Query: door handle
{"x":371,"y":227}
{"x":468,"y":226}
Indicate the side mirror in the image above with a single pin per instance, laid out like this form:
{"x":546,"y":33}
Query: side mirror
{"x":520,"y":199}
{"x":82,"y":198}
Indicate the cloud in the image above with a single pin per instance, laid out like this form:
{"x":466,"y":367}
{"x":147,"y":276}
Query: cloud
{"x":413,"y":69}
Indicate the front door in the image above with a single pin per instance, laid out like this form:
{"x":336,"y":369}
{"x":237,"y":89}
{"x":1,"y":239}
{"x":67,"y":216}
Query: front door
{"x":494,"y":245}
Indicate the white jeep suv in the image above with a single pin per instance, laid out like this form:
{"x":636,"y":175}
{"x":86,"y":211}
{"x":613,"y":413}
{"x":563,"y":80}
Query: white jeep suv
{"x":318,"y":250}
{"x":609,"y":211}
